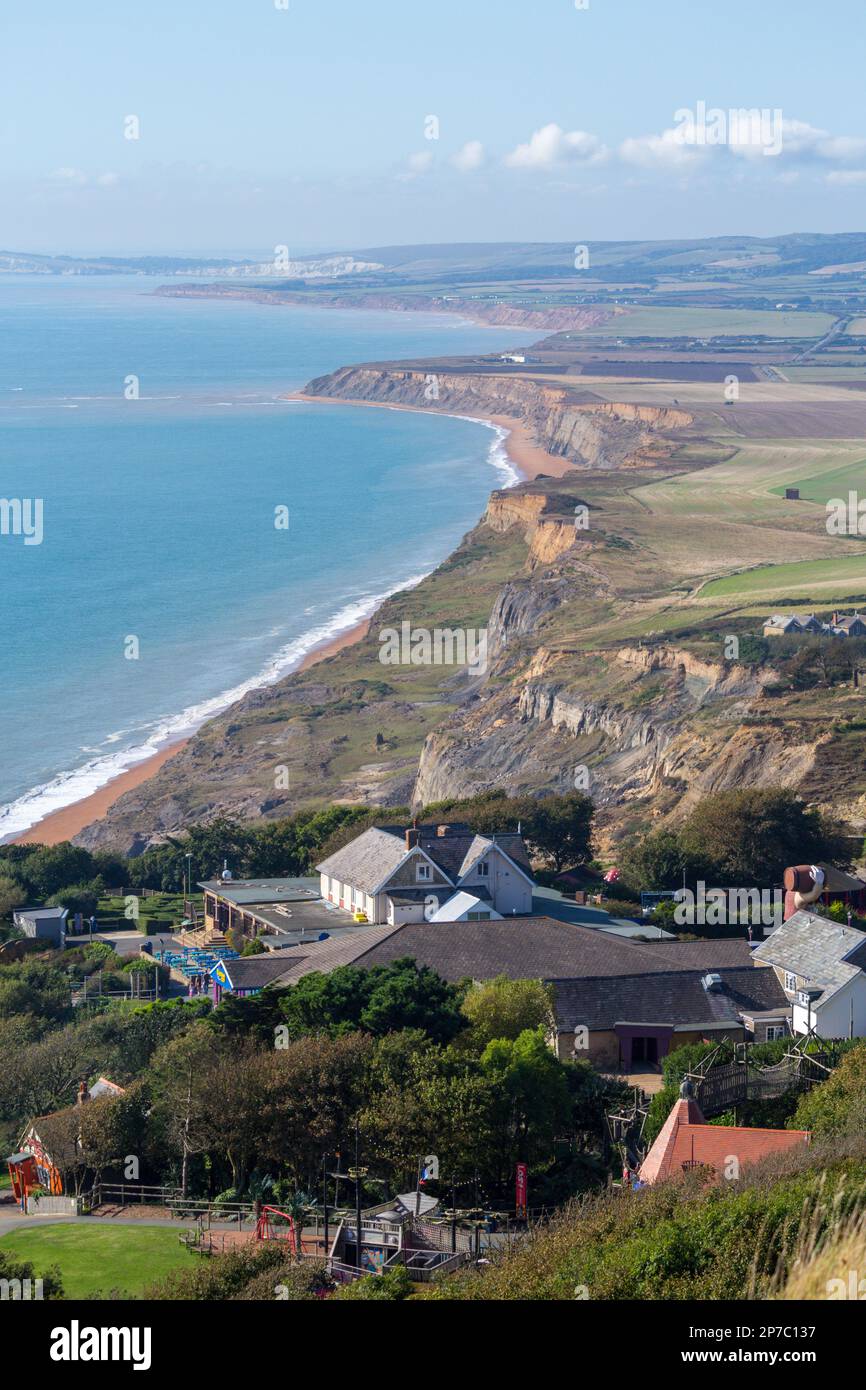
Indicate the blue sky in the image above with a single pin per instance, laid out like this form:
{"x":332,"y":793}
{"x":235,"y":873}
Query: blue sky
{"x":305,"y":126}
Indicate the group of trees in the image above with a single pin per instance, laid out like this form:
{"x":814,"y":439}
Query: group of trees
{"x":557,"y":830}
{"x":273,"y":1083}
{"x":735,"y":839}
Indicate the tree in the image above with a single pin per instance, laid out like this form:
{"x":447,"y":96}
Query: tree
{"x":749,"y":837}
{"x":12,"y":895}
{"x":838,"y":1105}
{"x":532,"y":1098}
{"x":658,"y":861}
{"x":504,"y":1008}
{"x":386,"y":999}
{"x":179,"y":1101}
{"x":559,"y":829}
{"x":53,"y":867}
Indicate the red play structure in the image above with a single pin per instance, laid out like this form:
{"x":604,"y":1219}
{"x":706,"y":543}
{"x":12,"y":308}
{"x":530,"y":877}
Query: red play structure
{"x":266,"y":1231}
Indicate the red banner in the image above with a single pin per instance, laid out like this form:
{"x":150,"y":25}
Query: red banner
{"x":520,"y":1187}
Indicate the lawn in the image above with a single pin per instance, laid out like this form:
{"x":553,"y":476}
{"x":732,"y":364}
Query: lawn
{"x":770,"y":579}
{"x":95,"y":1259}
{"x":826,"y":486}
{"x":695,"y":321}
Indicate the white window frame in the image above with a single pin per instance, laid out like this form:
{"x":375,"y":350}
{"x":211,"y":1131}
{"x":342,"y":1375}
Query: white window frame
{"x":423,"y":873}
{"x":790,"y":982}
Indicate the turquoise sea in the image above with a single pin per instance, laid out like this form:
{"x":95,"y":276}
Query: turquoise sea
{"x":158,"y":513}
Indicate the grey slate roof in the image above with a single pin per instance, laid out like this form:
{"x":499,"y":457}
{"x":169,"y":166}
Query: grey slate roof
{"x":367,"y":861}
{"x":824,"y":953}
{"x":529,"y":948}
{"x":254,"y":972}
{"x":677,"y":998}
{"x":323,"y":956}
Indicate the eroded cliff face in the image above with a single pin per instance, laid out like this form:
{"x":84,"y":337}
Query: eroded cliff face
{"x":633,"y":727}
{"x":592,"y":435}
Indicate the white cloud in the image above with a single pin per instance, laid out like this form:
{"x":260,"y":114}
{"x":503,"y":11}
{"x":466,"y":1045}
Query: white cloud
{"x":470,"y":157}
{"x":107,"y":180}
{"x":666,"y":151}
{"x":420,"y":163}
{"x":551,"y":146}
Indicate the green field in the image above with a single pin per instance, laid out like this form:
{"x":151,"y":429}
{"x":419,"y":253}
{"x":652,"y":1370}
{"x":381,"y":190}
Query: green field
{"x":825,"y":486}
{"x":97,"y":1259}
{"x":781,"y":579}
{"x":696,"y":321}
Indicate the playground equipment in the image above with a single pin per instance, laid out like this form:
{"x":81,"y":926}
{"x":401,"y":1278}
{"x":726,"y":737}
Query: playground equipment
{"x":265,"y":1229}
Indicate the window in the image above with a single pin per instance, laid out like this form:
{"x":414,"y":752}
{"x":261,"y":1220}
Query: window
{"x":776,"y":1031}
{"x":422,"y":873}
{"x":484,"y":869}
{"x":478,"y":916}
{"x":790,"y":982}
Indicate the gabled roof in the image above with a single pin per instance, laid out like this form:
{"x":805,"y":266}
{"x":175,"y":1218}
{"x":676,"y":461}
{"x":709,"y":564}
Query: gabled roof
{"x":824,"y":953}
{"x":368,"y":861}
{"x":528,"y":948}
{"x":686,"y":1139}
{"x":461,"y":902}
{"x":323,"y":956}
{"x":254,"y":972}
{"x":677,"y":998}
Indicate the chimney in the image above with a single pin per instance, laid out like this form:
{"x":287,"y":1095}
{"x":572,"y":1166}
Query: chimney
{"x":835,"y":619}
{"x":413,"y":837}
{"x":82,"y":1095}
{"x":442,"y":831}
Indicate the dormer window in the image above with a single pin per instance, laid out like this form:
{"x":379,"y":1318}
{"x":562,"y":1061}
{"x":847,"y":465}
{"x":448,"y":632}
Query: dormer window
{"x":790,"y":982}
{"x":484,"y":869}
{"x":422,"y":873}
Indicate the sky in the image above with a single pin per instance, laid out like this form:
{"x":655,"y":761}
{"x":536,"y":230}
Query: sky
{"x":235,"y":126}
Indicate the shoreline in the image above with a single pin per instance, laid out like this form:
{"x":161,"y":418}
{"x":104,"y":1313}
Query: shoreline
{"x":61,"y":825}
{"x":528,"y":460}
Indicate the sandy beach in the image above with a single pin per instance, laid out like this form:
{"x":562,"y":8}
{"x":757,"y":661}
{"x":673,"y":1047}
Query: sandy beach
{"x":62,"y":825}
{"x":530,"y":461}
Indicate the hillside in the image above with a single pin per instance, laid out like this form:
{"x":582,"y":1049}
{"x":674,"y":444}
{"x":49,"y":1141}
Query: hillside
{"x":607,"y":645}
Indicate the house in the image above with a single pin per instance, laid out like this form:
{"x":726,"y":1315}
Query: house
{"x":635,"y":1000}
{"x":686,"y":1141}
{"x":789,"y":625}
{"x":782,"y":626}
{"x":392,"y":875}
{"x":821,"y":965}
{"x":250,"y":974}
{"x":627,"y":1022}
{"x":50,"y":1146}
{"x":852,"y":626}
{"x":46,"y":924}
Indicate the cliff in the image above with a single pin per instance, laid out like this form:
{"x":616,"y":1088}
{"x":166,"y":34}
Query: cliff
{"x":605,"y":664}
{"x":596,"y":434}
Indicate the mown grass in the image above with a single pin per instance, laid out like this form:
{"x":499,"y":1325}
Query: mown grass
{"x":99,"y":1259}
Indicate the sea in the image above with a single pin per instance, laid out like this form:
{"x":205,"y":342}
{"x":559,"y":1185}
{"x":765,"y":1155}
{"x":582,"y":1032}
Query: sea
{"x":185,"y":534}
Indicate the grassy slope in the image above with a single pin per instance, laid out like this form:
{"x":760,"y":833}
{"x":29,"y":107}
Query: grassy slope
{"x":94,"y":1259}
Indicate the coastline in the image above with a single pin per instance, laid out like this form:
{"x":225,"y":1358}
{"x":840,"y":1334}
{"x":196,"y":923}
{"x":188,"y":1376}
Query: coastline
{"x":69,"y":820}
{"x":528,"y":461}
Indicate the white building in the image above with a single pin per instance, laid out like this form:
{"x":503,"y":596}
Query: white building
{"x":394,"y":875}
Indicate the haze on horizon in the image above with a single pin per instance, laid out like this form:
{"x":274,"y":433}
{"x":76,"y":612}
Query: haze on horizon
{"x":311,"y":125}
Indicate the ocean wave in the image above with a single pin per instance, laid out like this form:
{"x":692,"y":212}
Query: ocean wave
{"x":69,"y":787}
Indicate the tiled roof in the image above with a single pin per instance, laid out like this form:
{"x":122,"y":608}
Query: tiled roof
{"x":677,"y":998}
{"x":540,"y":948}
{"x":328,"y":955}
{"x":254,"y":972}
{"x":686,"y":1138}
{"x":366,"y":861}
{"x":823,"y":953}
